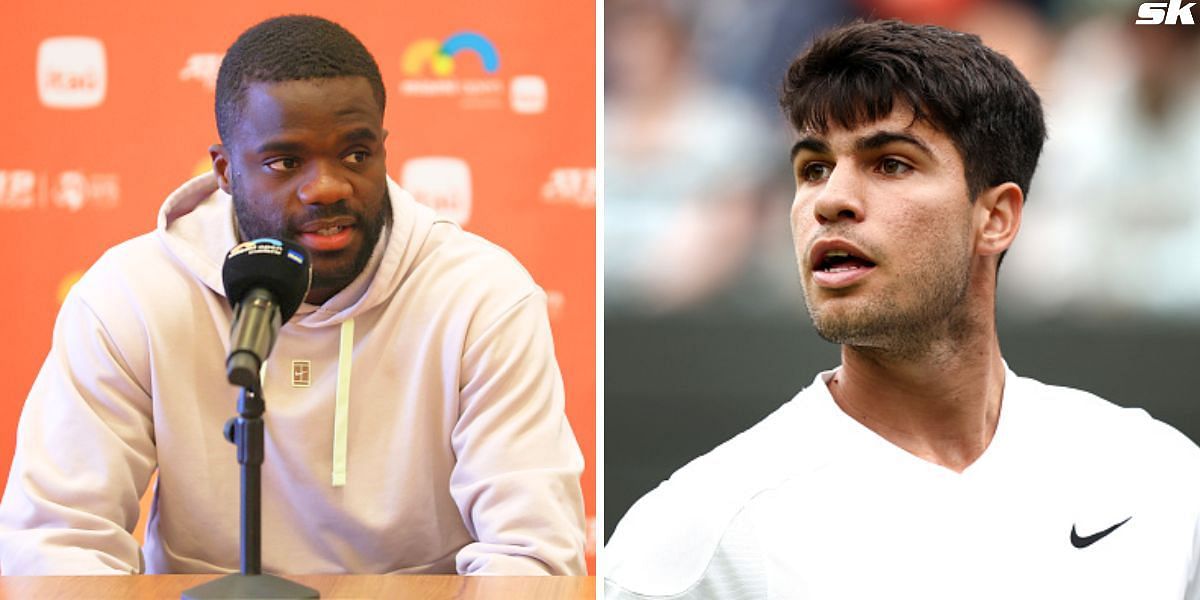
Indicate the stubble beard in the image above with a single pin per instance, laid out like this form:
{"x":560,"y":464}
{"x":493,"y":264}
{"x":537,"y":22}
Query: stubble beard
{"x":902,"y":329}
{"x":253,"y":226}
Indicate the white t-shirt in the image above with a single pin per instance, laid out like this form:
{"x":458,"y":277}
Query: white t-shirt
{"x":810,"y":504}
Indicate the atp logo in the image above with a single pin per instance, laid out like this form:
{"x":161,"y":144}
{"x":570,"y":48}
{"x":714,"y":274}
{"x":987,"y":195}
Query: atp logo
{"x":25,"y":189}
{"x":569,"y":185}
{"x":439,"y":57}
{"x":1165,"y":13}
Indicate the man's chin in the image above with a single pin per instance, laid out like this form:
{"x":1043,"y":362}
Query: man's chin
{"x":851,"y":327}
{"x":334,"y":269}
{"x":326,"y":275}
{"x":839,"y":334}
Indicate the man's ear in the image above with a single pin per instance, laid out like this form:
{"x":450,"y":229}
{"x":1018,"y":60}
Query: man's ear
{"x":997,"y":214}
{"x":221,"y":167}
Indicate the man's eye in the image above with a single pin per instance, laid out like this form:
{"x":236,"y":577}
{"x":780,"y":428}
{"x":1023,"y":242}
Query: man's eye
{"x":283,"y":164}
{"x":356,"y":157}
{"x":891,"y":166}
{"x":814,"y":171}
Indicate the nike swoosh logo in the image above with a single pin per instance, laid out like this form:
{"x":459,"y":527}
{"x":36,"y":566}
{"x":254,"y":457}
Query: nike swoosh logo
{"x":1088,"y":540}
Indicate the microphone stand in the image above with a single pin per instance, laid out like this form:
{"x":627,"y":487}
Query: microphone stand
{"x":246,"y":430}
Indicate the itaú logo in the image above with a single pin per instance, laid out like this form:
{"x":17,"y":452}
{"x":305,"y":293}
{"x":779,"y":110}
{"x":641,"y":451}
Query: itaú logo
{"x":439,"y":57}
{"x":72,"y":72}
{"x":1165,"y":13}
{"x":442,"y":183}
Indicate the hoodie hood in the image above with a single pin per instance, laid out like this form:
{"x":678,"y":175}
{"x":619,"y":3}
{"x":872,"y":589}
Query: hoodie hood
{"x":196,"y":225}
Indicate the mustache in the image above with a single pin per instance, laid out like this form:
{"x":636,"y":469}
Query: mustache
{"x":325,"y":211}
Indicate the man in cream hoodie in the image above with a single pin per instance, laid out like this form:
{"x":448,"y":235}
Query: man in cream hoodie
{"x":414,"y":406}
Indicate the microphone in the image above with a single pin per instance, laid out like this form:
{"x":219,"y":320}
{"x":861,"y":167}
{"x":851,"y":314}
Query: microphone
{"x":265,"y":281}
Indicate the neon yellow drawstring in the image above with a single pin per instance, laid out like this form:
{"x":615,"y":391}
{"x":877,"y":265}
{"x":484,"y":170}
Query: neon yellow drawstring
{"x":341,"y":411}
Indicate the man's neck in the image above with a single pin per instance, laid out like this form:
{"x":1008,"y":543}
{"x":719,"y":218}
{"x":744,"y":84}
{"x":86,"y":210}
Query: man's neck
{"x":942,"y":406}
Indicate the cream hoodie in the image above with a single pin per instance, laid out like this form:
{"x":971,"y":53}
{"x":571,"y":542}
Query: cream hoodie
{"x":430,"y":438}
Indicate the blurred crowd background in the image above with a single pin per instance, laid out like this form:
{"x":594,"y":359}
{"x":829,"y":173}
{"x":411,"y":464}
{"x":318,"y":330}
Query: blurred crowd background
{"x":698,"y":183}
{"x":705,"y":330}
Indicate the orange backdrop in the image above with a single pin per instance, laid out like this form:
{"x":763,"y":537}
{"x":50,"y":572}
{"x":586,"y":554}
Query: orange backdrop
{"x":108,"y":106}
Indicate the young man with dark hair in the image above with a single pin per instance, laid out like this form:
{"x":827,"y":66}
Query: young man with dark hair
{"x":414,"y":417}
{"x":922,"y":467}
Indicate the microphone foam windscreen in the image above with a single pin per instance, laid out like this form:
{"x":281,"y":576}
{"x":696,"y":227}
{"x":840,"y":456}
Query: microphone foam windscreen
{"x":280,"y":267}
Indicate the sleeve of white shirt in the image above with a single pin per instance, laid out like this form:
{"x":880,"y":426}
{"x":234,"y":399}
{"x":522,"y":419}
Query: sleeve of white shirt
{"x":647,"y":562}
{"x":516,"y":480}
{"x":84,"y":455}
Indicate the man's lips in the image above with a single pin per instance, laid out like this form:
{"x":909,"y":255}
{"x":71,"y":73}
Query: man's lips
{"x":328,"y":235}
{"x":837,"y":263}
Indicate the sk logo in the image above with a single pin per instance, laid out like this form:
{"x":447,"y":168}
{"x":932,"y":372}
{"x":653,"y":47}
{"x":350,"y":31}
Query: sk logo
{"x":1165,"y":13}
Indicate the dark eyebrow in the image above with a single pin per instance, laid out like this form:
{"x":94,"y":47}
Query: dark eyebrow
{"x":359,"y":135}
{"x":874,"y":141}
{"x":811,"y":144}
{"x":880,"y":139}
{"x":280,"y":147}
{"x":362,"y":134}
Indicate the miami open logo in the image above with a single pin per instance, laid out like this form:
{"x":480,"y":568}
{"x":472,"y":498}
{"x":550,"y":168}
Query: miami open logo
{"x":438,"y":58}
{"x":466,"y":67}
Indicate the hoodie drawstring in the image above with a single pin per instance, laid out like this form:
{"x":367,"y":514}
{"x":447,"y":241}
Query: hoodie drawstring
{"x":341,"y":411}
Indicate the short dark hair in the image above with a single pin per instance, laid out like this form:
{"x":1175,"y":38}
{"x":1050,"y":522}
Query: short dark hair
{"x":973,"y":94}
{"x":289,"y":48}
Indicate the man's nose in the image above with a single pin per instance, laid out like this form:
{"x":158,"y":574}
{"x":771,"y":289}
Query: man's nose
{"x":841,"y":197}
{"x":325,"y":185}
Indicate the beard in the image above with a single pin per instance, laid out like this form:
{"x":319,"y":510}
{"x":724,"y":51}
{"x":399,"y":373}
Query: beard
{"x":252,"y":224}
{"x":904,"y":323}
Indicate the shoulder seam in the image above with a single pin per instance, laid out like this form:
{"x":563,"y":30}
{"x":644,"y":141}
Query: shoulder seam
{"x":108,"y":341}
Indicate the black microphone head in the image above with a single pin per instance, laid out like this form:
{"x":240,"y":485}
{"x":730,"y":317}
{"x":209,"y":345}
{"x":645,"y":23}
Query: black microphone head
{"x":282,"y":268}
